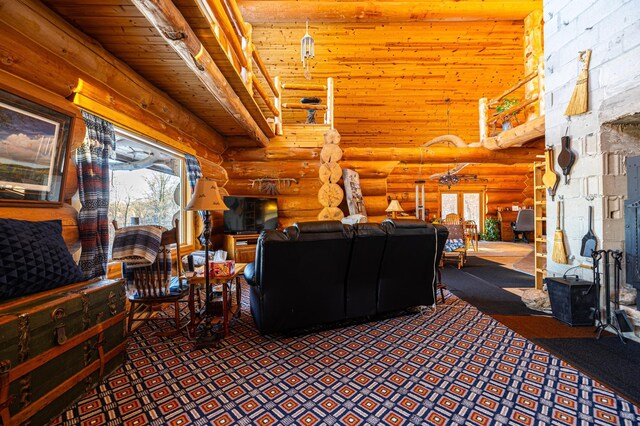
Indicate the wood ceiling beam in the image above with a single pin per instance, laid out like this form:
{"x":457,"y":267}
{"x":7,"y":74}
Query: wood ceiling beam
{"x":431,"y":155}
{"x":170,"y":23}
{"x":279,"y":11}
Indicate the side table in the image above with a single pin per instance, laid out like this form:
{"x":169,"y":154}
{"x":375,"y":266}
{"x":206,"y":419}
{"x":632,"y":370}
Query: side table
{"x":229,"y":308}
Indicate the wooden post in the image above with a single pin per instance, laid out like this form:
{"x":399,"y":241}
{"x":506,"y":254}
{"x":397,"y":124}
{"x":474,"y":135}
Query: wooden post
{"x":277,"y":100}
{"x":329,"y":116}
{"x":533,"y":57}
{"x":483,"y":114}
{"x":167,"y":19}
{"x":247,"y":46}
{"x":214,"y":11}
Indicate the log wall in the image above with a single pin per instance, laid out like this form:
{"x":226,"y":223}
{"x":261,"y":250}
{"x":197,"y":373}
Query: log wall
{"x":46,"y":60}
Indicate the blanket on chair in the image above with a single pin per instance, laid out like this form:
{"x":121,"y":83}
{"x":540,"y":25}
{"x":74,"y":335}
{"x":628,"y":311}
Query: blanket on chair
{"x":137,"y":245}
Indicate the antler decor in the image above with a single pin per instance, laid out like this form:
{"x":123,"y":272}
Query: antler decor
{"x":270,"y":185}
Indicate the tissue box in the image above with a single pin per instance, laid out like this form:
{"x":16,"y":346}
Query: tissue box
{"x":222,"y":269}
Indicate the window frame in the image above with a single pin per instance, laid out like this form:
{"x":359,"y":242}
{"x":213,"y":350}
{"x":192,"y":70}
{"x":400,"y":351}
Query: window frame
{"x":187,"y":226}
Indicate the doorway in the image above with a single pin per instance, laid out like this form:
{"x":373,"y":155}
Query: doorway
{"x":467,"y":204}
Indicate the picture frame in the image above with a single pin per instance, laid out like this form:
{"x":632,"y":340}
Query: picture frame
{"x":34,"y":142}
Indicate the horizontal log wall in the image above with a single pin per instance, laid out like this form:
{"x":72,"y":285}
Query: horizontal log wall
{"x":46,"y":60}
{"x":299,"y":201}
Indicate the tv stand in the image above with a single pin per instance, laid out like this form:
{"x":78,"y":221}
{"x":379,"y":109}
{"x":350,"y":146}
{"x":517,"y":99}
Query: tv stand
{"x":241,"y":247}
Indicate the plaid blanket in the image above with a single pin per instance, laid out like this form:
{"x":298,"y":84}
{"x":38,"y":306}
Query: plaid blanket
{"x":137,"y":245}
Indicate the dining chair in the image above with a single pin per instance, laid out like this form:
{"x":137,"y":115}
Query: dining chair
{"x":154,"y":285}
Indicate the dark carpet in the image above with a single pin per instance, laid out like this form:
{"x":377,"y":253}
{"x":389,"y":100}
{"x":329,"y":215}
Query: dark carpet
{"x":606,"y":359}
{"x":482,"y":282}
{"x":451,"y":366}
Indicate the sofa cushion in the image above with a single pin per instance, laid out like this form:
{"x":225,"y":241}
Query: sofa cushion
{"x":34,"y":258}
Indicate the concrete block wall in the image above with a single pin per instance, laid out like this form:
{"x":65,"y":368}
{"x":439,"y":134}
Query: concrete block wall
{"x":611,"y":29}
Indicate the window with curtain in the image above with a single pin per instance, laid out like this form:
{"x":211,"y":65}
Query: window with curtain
{"x":146,"y":184}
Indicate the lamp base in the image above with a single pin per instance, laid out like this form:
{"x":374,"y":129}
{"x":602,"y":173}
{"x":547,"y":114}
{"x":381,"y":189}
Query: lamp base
{"x":206,"y":336}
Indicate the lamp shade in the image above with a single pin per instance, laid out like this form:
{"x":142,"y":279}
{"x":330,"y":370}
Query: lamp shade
{"x":206,"y":196}
{"x":394,"y":206}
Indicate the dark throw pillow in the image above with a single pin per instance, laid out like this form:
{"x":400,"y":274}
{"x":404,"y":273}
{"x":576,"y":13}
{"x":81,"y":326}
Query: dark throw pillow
{"x":34,"y":258}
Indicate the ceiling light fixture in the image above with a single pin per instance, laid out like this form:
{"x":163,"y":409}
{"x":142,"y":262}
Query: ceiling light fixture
{"x":449,"y":180}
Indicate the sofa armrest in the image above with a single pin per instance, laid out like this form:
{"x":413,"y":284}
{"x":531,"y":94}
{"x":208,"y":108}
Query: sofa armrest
{"x":250,"y":274}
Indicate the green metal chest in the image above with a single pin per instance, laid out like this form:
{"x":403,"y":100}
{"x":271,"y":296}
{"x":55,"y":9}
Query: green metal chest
{"x":55,"y":346}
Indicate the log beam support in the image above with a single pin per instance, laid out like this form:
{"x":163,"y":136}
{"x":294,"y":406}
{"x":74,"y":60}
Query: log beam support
{"x":170,"y":23}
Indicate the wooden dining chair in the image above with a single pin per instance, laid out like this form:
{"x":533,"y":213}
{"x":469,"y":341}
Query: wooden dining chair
{"x":155,"y":285}
{"x":452,"y":219}
{"x":471,"y":234}
{"x":455,"y":247}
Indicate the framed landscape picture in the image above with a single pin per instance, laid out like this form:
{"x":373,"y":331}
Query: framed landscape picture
{"x":33,"y":150}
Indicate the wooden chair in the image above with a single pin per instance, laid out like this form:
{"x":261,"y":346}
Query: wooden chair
{"x":150,"y":284}
{"x":452,"y":219}
{"x":456,"y":232}
{"x":471,"y":234}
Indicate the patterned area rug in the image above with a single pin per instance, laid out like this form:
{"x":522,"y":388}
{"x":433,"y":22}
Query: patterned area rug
{"x":455,"y":366}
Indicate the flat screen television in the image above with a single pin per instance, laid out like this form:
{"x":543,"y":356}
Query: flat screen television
{"x":250,"y":215}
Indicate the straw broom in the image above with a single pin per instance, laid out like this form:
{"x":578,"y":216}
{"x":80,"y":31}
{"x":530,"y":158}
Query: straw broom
{"x":559,"y":253}
{"x":579,"y":102}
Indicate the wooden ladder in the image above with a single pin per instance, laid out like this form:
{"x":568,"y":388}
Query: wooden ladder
{"x":327,"y":107}
{"x":540,"y":224}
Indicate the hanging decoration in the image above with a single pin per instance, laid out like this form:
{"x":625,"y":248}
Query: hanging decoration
{"x":449,"y":180}
{"x":307,"y":51}
{"x":271,"y":186}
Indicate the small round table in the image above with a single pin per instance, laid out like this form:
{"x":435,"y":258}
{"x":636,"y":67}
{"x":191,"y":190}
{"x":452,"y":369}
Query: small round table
{"x":229,"y":308}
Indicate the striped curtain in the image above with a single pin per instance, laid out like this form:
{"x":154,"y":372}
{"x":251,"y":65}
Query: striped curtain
{"x":92,"y":159}
{"x":193,"y":174}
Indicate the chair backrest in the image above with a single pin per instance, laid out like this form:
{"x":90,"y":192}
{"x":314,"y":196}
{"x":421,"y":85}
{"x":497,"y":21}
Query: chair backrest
{"x":525,"y":219}
{"x":456,"y":231}
{"x":452,"y":218}
{"x":154,"y":280}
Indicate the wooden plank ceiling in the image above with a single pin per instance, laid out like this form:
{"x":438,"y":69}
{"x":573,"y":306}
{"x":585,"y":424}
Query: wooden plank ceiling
{"x":122,"y":29}
{"x":392,"y":79}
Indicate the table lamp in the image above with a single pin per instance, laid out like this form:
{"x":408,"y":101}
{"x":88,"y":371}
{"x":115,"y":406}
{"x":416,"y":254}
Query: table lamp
{"x":394,"y":208}
{"x":206,"y":197}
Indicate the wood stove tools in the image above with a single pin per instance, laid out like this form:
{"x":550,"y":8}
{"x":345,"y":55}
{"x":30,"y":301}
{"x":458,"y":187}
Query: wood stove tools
{"x":566,"y":158}
{"x":589,"y":242}
{"x":550,"y":178}
{"x":608,"y":321}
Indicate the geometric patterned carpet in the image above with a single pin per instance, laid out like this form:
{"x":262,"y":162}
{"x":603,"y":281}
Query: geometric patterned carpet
{"x":456,"y":366}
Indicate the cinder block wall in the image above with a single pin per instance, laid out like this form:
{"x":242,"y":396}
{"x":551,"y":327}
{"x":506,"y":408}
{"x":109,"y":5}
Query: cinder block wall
{"x":611,"y":29}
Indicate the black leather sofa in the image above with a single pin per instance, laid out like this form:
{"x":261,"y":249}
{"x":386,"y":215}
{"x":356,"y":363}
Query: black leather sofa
{"x":324,"y":272}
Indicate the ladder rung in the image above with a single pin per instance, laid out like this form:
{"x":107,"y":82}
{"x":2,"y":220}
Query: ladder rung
{"x":541,"y":203}
{"x":541,"y":239}
{"x":293,"y":86}
{"x":542,"y":255}
{"x":541,"y":271}
{"x":303,"y":106}
{"x":540,"y":187}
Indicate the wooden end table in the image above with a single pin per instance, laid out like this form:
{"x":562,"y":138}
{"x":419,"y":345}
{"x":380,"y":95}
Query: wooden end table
{"x":229,"y":309}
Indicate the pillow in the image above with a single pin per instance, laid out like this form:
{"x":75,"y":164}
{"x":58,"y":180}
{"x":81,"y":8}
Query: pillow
{"x":34,"y":258}
{"x":453,"y":244}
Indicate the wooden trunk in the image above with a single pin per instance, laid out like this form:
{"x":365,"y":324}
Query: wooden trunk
{"x":55,"y":346}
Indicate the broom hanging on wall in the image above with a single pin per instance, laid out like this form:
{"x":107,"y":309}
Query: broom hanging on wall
{"x":559,"y":253}
{"x":579,"y":102}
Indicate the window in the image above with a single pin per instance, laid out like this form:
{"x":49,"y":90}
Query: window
{"x":468,"y":205}
{"x":146,"y":184}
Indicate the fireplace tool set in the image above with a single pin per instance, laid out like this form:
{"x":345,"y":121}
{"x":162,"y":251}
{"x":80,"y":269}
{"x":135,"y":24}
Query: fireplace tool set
{"x":617,"y":321}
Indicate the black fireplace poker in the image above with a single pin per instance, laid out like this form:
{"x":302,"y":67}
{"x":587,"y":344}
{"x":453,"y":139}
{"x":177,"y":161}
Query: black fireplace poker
{"x":609,"y":321}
